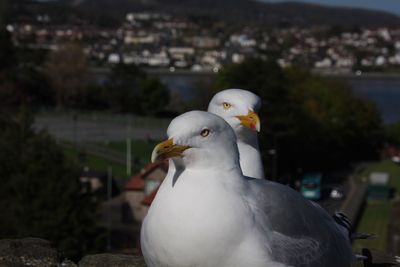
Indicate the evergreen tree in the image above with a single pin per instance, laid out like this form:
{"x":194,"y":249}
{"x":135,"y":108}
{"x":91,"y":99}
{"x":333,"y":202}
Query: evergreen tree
{"x":41,"y":195}
{"x":7,"y":51}
{"x":20,"y":83}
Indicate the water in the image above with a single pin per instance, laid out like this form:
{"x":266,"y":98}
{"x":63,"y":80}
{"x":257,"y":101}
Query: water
{"x":385,"y":93}
{"x":185,"y":84}
{"x":182,"y":83}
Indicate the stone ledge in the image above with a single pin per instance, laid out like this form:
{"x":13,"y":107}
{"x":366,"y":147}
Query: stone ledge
{"x":28,"y":252}
{"x":106,"y":260}
{"x":35,"y":252}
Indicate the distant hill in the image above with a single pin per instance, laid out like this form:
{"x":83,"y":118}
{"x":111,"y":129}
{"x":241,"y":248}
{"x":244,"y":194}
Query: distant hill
{"x":234,"y":11}
{"x":292,"y":13}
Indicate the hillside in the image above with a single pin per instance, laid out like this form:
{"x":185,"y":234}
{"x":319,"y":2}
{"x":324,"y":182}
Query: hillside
{"x":246,"y":10}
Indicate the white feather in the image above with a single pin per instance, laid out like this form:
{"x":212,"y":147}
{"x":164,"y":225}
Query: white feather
{"x":206,"y":213}
{"x":241,"y":102}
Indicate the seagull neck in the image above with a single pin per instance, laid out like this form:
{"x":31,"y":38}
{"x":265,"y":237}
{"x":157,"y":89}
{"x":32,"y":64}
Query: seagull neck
{"x":250,"y":156}
{"x":210,"y":164}
{"x":232,"y":174}
{"x":230,"y":177}
{"x":249,"y":139}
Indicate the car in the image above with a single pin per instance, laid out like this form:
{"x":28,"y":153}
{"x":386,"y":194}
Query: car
{"x":336,"y":193}
{"x":310,"y":186}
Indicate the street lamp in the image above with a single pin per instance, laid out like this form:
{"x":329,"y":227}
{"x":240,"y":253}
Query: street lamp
{"x":128,"y":148}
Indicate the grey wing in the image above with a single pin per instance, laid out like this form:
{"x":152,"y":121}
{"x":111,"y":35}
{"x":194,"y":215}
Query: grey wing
{"x":300,"y":234}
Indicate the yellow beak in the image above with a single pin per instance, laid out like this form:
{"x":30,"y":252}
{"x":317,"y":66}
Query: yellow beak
{"x":251,"y":120}
{"x":167,"y":149}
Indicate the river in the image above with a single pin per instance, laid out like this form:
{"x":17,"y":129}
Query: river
{"x":385,"y":93}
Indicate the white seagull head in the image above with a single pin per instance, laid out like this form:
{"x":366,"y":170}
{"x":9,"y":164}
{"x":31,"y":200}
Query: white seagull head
{"x":199,"y":139}
{"x":239,"y":108}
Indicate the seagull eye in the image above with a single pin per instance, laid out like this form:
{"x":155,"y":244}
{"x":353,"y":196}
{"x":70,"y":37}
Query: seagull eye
{"x":205,"y":132}
{"x":226,"y":105}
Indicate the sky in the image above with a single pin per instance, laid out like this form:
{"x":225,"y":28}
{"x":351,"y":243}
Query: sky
{"x":392,"y":6}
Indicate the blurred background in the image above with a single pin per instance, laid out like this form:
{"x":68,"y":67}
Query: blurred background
{"x":88,"y":87}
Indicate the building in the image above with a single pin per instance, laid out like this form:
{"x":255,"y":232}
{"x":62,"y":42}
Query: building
{"x":379,"y":188}
{"x":97,"y":183}
{"x":142,"y":188}
{"x":123,"y":213}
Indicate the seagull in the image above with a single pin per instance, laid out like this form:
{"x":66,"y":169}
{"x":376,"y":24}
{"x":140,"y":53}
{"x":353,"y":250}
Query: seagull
{"x":208,"y":214}
{"x":239,"y":109}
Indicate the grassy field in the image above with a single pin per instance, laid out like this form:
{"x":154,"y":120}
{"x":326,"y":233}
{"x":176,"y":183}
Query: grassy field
{"x":141,"y":152}
{"x":96,"y":163}
{"x":375,"y":221}
{"x":376,"y":216}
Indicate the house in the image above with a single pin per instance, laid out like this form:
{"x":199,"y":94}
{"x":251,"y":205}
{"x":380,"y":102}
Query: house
{"x":324,"y":63}
{"x":205,"y":42}
{"x":122,"y":214}
{"x":142,"y":188}
{"x":393,"y":153}
{"x":97,"y":183}
{"x":181,"y":53}
{"x":130,"y":205}
{"x":379,"y":188}
{"x":114,"y":58}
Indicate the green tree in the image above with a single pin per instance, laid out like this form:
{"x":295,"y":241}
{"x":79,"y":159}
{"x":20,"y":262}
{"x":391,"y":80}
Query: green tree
{"x":131,"y":90}
{"x":66,"y":70}
{"x":7,"y":51}
{"x":4,"y":12}
{"x":10,"y":96}
{"x":41,"y":195}
{"x":33,"y":84}
{"x":154,"y":95}
{"x":123,"y":88}
{"x":392,"y":134}
{"x":202,"y":92}
{"x":333,"y":122}
{"x":313,"y":123}
{"x":24,"y":85}
{"x":20,"y":81}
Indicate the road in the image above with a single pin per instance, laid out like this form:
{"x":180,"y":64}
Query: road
{"x":100,"y":128}
{"x":333,"y":205}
